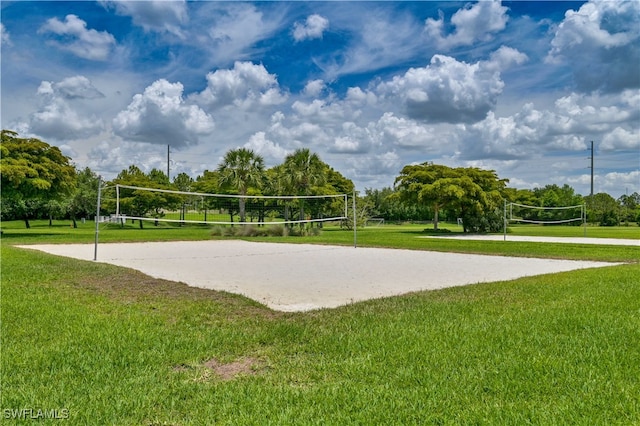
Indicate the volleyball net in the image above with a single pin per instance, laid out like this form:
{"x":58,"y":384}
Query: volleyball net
{"x":164,"y":205}
{"x":545,"y":215}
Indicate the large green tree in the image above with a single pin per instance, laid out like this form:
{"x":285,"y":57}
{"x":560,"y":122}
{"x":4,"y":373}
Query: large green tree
{"x":301,"y":173}
{"x":473,"y":194}
{"x":33,"y":170}
{"x":480,"y":199}
{"x":386,"y":204}
{"x":141,"y":202}
{"x":82,"y":202}
{"x":240,"y":170}
{"x":183,"y":182}
{"x":428,"y":184}
{"x":555,"y":196}
{"x":603,"y":209}
{"x":630,"y":207}
{"x":208,"y":182}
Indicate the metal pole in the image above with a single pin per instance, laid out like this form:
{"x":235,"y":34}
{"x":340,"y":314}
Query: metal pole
{"x":168,"y":161}
{"x":355,"y":221}
{"x":95,"y":247}
{"x":504,"y":218}
{"x":117,"y":202}
{"x":346,"y":207}
{"x":592,"y":168}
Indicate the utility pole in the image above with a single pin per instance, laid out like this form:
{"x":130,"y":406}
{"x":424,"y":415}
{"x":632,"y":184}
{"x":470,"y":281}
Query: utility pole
{"x":169,"y":160}
{"x":591,"y":168}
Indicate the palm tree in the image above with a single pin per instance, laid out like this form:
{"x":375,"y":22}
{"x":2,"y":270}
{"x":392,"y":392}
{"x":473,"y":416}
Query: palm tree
{"x":303,"y":170}
{"x":241,"y":169}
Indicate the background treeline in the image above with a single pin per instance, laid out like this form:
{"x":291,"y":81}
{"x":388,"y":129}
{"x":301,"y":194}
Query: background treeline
{"x":432,"y":192}
{"x":602,"y":209}
{"x":38,"y":182}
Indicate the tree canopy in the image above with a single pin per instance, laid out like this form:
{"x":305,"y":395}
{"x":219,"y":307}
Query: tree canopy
{"x":33,"y":170}
{"x":240,"y":170}
{"x":138,"y":203}
{"x":83,"y":199}
{"x":473,"y":194}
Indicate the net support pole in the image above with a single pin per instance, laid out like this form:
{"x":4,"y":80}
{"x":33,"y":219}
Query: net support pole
{"x":118,"y":202}
{"x":355,"y":222}
{"x":504,"y":219}
{"x":584,"y":218}
{"x":95,"y":245}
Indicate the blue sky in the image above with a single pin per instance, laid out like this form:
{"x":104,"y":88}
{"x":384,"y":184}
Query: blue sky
{"x":517,"y":87}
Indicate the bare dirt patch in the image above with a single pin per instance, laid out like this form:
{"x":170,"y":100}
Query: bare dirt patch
{"x":130,"y":286}
{"x":241,"y":367}
{"x":216,"y":369}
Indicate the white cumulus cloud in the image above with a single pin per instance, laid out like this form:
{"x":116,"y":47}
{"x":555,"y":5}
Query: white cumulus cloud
{"x":314,"y":88}
{"x":271,"y":151}
{"x":160,"y":115}
{"x":245,"y":85}
{"x":62,"y":113}
{"x":406,"y":133}
{"x":77,"y":87}
{"x":313,"y":27}
{"x":75,"y":37}
{"x":600,"y":42}
{"x":620,"y":138}
{"x":451,"y":91}
{"x":57,"y":120}
{"x":475,"y":22}
{"x":159,"y":16}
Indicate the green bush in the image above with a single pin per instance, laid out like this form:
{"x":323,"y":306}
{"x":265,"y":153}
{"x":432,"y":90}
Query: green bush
{"x":609,"y":218}
{"x":262,"y":231}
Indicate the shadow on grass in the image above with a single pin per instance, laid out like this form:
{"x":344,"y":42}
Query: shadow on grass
{"x":431,"y":231}
{"x":10,"y":235}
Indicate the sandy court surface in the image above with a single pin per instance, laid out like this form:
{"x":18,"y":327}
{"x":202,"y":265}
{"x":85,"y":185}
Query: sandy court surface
{"x":299,"y":277}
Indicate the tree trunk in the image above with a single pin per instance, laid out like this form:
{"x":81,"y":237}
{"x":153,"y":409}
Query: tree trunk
{"x":26,"y":222}
{"x":261,"y":213}
{"x":141,"y":227}
{"x":75,"y":223}
{"x":241,"y":204}
{"x":286,"y":215}
{"x":435,"y":217}
{"x":465,"y":229}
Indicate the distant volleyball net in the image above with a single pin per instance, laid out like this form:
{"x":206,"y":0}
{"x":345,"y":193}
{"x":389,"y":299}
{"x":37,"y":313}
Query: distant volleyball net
{"x":567,"y":215}
{"x":545,"y":215}
{"x":164,"y":205}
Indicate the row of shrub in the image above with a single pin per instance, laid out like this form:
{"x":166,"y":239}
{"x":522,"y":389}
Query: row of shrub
{"x":264,"y":231}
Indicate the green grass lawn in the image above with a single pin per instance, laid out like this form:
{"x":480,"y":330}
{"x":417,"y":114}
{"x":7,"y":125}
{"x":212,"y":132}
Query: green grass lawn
{"x":113,"y":346}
